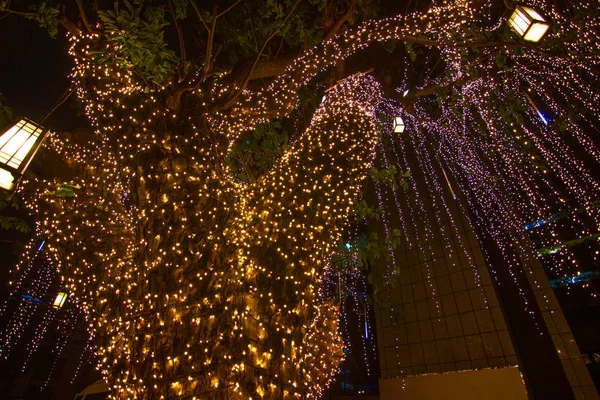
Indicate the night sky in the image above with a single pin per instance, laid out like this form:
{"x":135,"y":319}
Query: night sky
{"x":34,"y":71}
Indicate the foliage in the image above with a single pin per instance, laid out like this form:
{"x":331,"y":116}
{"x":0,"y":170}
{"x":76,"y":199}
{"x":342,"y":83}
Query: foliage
{"x":180,"y":7}
{"x":8,"y":222}
{"x":46,"y":16}
{"x":390,"y":176}
{"x":568,"y":244}
{"x":363,"y":210}
{"x":64,"y":190}
{"x":255,"y":152}
{"x":15,"y":223}
{"x":369,"y":249}
{"x":376,"y":247}
{"x":138,"y":41}
{"x":246,"y":27}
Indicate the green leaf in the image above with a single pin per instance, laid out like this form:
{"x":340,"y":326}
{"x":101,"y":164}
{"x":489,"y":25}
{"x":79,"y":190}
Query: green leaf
{"x":9,"y":223}
{"x":180,"y":8}
{"x":138,"y":40}
{"x":46,"y":16}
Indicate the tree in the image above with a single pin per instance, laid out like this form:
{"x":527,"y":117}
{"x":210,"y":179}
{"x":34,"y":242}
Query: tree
{"x":197,"y":284}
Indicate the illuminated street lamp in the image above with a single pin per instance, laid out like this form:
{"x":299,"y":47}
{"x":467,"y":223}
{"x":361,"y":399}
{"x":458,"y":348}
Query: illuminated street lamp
{"x":398,"y":125}
{"x":528,"y":23}
{"x":60,"y":299}
{"x":18,"y":145}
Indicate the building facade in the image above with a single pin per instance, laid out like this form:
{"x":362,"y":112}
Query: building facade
{"x":454,"y":322}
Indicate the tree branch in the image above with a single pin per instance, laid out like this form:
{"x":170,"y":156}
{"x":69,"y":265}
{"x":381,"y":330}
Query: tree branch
{"x":24,"y":14}
{"x":211,"y":37}
{"x":338,"y":24}
{"x":267,"y":40}
{"x":229,"y":8}
{"x":199,"y":14}
{"x":180,"y":38}
{"x":253,"y":34}
{"x":69,"y":25}
{"x":83,"y":15}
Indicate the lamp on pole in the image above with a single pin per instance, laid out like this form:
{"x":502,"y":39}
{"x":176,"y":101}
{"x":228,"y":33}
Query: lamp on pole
{"x":18,"y":146}
{"x":528,"y":23}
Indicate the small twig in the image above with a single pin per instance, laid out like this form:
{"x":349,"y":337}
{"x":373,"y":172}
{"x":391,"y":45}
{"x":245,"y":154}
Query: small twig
{"x":229,"y":8}
{"x":24,"y":14}
{"x":266,"y":42}
{"x":253,"y":34}
{"x":211,"y":36}
{"x":180,"y":38}
{"x":338,"y":24}
{"x":60,"y":102}
{"x":279,"y":48}
{"x":199,"y":14}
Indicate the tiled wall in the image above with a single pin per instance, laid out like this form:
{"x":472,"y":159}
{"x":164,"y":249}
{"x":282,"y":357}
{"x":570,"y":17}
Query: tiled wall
{"x":439,"y":311}
{"x":444,"y":314}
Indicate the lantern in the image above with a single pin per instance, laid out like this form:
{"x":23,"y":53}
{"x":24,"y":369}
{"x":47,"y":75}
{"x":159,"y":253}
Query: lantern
{"x":398,"y":125}
{"x":18,"y":145}
{"x":528,"y":23}
{"x":60,"y":299}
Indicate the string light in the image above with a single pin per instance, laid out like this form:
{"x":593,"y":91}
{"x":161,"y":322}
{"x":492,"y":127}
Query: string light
{"x":195,"y":284}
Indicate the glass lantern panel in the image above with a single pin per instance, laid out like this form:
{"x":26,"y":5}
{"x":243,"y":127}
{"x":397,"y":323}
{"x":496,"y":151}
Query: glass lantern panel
{"x":10,"y":133}
{"x":519,"y":21}
{"x":16,"y":143}
{"x":398,"y":125}
{"x":536,"y":32}
{"x":60,"y":300}
{"x":534,"y":14}
{"x":6,"y":179}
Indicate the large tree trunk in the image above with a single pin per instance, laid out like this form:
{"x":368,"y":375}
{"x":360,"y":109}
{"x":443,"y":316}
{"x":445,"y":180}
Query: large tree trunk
{"x":196,"y":285}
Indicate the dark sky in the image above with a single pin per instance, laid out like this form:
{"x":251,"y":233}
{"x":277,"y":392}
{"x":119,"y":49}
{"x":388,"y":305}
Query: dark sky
{"x":34,"y":71}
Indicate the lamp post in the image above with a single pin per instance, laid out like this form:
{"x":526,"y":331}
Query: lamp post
{"x":398,"y":125}
{"x":528,"y":23}
{"x":18,"y":145}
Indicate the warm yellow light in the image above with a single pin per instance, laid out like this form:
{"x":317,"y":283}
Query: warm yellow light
{"x":398,"y":125}
{"x":18,"y":145}
{"x":6,"y":180}
{"x":528,"y":23}
{"x":60,"y":299}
